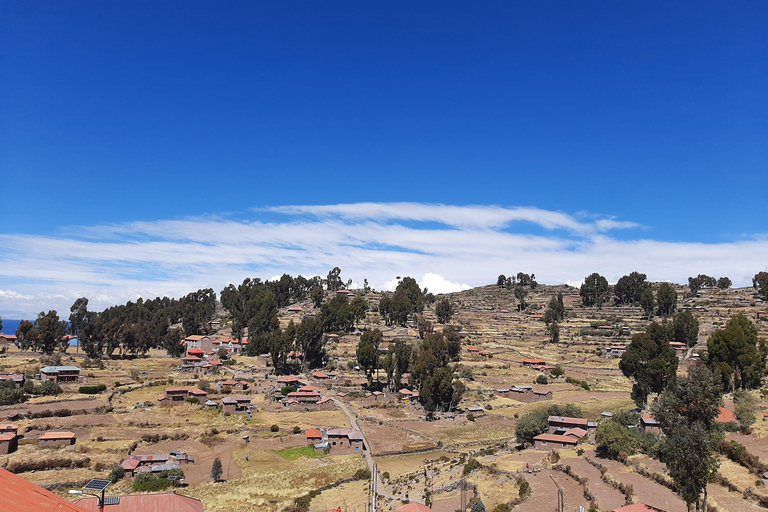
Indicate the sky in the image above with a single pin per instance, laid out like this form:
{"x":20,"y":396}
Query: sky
{"x":155,"y":148}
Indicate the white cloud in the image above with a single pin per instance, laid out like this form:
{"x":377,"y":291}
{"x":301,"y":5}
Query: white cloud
{"x":450,"y":247}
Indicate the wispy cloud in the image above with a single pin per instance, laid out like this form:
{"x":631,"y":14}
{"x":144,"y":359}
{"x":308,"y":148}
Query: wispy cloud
{"x":445,"y":247}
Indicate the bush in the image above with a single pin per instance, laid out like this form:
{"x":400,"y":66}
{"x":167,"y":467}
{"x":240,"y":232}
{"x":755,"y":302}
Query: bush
{"x":274,"y":428}
{"x":287,"y":389}
{"x":146,"y":482}
{"x":471,"y":417}
{"x":470,"y":467}
{"x":193,"y":400}
{"x":362,"y":474}
{"x":557,"y":371}
{"x":385,"y":475}
{"x":615,"y":441}
{"x":92,"y":390}
{"x":542,"y":379}
{"x":296,"y":430}
{"x":116,"y":473}
{"x":731,"y":426}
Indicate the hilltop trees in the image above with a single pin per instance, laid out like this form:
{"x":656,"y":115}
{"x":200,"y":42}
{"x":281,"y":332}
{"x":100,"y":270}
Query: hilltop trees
{"x":407,"y":299}
{"x":648,"y":302}
{"x":501,"y":281}
{"x":594,"y":291}
{"x":760,"y":283}
{"x":556,"y":310}
{"x":45,"y":334}
{"x":724,"y":283}
{"x":368,"y":352}
{"x":629,"y":289}
{"x":736,"y":355}
{"x":650,"y":362}
{"x":521,"y":293}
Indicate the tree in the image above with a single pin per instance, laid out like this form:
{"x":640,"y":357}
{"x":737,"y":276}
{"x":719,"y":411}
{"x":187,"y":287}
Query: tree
{"x":557,"y":371}
{"x":311,"y":341}
{"x":337,"y":314}
{"x":629,"y":289}
{"x":279,"y":343}
{"x":594,"y":290}
{"x":520,"y":294}
{"x":359,"y":308}
{"x":650,"y":362}
{"x":444,"y":311}
{"x":334,"y":282}
{"x":316,"y":296}
{"x":542,"y":379}
{"x":501,"y":282}
{"x":746,"y":407}
{"x":687,"y":412}
{"x":49,"y":331}
{"x":368,"y":352}
{"x":78,"y":316}
{"x":26,"y":335}
{"x":648,"y":302}
{"x":685,"y":328}
{"x":403,"y":352}
{"x":760,"y":283}
{"x":478,"y":506}
{"x":530,"y":425}
{"x":615,"y":441}
{"x":439,"y":391}
{"x":216,"y":469}
{"x":724,"y":283}
{"x":1,"y":323}
{"x":736,"y":354}
{"x":554,"y":333}
{"x":666,"y":298}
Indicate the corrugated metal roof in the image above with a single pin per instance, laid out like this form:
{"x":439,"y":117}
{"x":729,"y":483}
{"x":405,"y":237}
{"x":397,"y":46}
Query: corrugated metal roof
{"x":164,"y":502}
{"x":19,"y":495}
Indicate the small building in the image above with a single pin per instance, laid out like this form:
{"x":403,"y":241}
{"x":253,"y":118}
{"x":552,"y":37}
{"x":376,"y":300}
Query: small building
{"x":552,"y":441}
{"x":21,"y":495}
{"x":321,"y":376}
{"x":234,"y":385}
{"x":198,"y":342}
{"x":313,"y":436}
{"x":475,"y":409}
{"x":649,"y":424}
{"x":57,"y":439}
{"x":167,"y":502}
{"x":345,"y":440}
{"x":9,"y":427}
{"x":288,"y":380}
{"x":558,"y":422}
{"x":210,"y":404}
{"x":615,"y":351}
{"x":7,"y":340}
{"x":17,"y":378}
{"x":175,"y":396}
{"x":236,"y":404}
{"x":60,"y":373}
{"x":9,"y":443}
{"x":533,"y":362}
{"x":725,"y":415}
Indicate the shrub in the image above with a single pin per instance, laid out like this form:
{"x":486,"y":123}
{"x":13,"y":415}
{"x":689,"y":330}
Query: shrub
{"x":296,"y":430}
{"x":471,"y":417}
{"x":92,"y":390}
{"x":287,"y":389}
{"x":470,"y":467}
{"x":362,"y":474}
{"x":385,"y":475}
{"x":542,"y":379}
{"x":525,"y":489}
{"x":274,"y":428}
{"x":116,"y":473}
{"x":193,"y":400}
{"x":146,"y":482}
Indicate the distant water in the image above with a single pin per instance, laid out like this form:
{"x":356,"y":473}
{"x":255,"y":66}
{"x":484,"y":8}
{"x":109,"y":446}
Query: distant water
{"x":10,"y":327}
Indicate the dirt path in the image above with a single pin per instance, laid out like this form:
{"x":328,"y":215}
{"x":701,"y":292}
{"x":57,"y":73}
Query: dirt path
{"x":543,"y":496}
{"x":647,"y":491}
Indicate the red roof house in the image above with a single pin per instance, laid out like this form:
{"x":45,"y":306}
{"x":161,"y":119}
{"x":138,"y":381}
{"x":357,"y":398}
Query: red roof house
{"x":20,"y":495}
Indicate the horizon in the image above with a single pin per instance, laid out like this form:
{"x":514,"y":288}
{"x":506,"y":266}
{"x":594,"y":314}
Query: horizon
{"x":155,"y":151}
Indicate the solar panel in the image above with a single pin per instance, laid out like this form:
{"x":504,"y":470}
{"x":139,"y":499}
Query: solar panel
{"x":112,"y":500}
{"x":97,"y":485}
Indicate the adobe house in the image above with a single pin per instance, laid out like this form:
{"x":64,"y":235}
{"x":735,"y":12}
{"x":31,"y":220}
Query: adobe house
{"x":179,"y":395}
{"x":345,"y":440}
{"x":321,"y":376}
{"x":234,"y":385}
{"x":313,"y":436}
{"x":288,"y":380}
{"x":9,"y":443}
{"x":60,"y":373}
{"x":210,"y":404}
{"x":553,"y":441}
{"x":236,"y":404}
{"x":17,"y":378}
{"x":541,"y":395}
{"x":203,"y":343}
{"x":650,"y":424}
{"x":167,"y":501}
{"x":7,"y":340}
{"x":533,"y":362}
{"x":558,"y":422}
{"x":57,"y":439}
{"x":305,"y":397}
{"x":20,"y":495}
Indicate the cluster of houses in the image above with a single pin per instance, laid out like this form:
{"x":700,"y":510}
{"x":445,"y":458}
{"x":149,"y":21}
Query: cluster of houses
{"x":524,"y":393}
{"x":537,"y":364}
{"x":233,"y":404}
{"x":336,"y":441}
{"x":305,"y":397}
{"x":563,"y":432}
{"x":9,"y":438}
{"x":17,"y":378}
{"x":155,"y":463}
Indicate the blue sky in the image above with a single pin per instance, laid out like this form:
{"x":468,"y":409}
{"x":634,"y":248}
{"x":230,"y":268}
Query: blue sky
{"x":556,"y":137}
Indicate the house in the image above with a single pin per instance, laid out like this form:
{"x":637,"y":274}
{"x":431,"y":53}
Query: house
{"x":537,"y":318}
{"x":313,"y":435}
{"x":17,"y":378}
{"x":202,"y":343}
{"x":413,"y":507}
{"x":167,"y":502}
{"x":321,"y":376}
{"x":539,"y":395}
{"x":345,"y":440}
{"x":195,"y":352}
{"x":9,"y":443}
{"x":7,"y":340}
{"x":678,"y":347}
{"x":20,"y":495}
{"x":725,"y":415}
{"x":180,"y":395}
{"x":558,"y":422}
{"x":288,"y":380}
{"x":60,"y":373}
{"x":473,"y":350}
{"x":210,"y":404}
{"x":475,"y":409}
{"x":57,"y":439}
{"x":234,"y":385}
{"x":9,"y":427}
{"x":615,"y":351}
{"x":533,"y":362}
{"x":552,"y":441}
{"x":236,"y":404}
{"x":578,"y":433}
{"x":649,"y":424}
{"x":295,"y":309}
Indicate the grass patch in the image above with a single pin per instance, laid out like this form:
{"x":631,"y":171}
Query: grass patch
{"x":298,"y":452}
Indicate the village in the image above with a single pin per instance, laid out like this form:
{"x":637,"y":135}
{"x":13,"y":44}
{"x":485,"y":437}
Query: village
{"x":324,"y":439}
